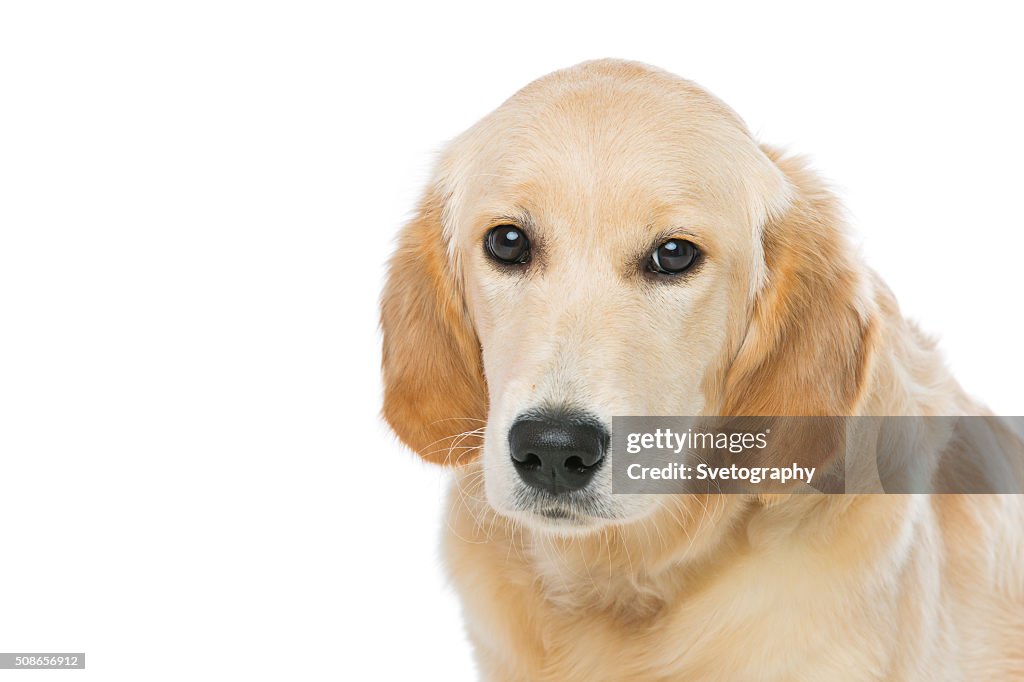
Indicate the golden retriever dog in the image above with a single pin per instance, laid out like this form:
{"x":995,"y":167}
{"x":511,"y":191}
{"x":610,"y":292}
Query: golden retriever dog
{"x":612,"y":241}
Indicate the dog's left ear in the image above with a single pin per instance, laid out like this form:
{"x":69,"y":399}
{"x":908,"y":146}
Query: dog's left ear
{"x":806,"y":349}
{"x":435,"y":397}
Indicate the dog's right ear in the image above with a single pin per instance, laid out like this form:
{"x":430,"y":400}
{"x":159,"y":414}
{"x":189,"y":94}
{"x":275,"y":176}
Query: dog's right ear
{"x":435,"y":397}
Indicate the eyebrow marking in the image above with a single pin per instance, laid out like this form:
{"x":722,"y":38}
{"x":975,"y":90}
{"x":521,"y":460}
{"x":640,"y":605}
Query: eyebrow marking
{"x":520,"y":217}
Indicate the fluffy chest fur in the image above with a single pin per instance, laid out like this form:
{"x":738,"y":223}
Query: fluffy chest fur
{"x":795,"y":591}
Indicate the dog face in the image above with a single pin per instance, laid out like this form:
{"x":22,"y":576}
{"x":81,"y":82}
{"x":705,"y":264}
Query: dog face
{"x":601,"y":245}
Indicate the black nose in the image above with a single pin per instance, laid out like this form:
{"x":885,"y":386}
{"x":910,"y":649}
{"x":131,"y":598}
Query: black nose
{"x":557,"y":454}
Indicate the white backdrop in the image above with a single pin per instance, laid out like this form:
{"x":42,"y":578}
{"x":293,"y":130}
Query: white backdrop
{"x":196,"y":200}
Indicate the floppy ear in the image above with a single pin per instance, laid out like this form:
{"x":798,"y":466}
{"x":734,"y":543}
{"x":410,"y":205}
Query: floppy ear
{"x":806,"y":349}
{"x":434,"y":391}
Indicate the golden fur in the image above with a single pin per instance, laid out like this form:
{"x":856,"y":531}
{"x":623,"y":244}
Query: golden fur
{"x":782,"y":319}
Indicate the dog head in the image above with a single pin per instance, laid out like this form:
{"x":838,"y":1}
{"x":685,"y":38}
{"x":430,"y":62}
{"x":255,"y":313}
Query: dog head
{"x":610,"y":241}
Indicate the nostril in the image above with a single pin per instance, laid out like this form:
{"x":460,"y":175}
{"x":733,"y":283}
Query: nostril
{"x":576,"y":465}
{"x":530,"y":462}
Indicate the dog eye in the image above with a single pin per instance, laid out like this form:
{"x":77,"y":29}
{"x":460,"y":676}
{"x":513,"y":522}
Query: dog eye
{"x":508,"y":244}
{"x":673,"y":257}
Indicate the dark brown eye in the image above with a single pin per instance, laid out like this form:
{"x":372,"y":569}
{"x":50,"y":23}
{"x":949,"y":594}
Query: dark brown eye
{"x":673,"y":257}
{"x":508,"y":244}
